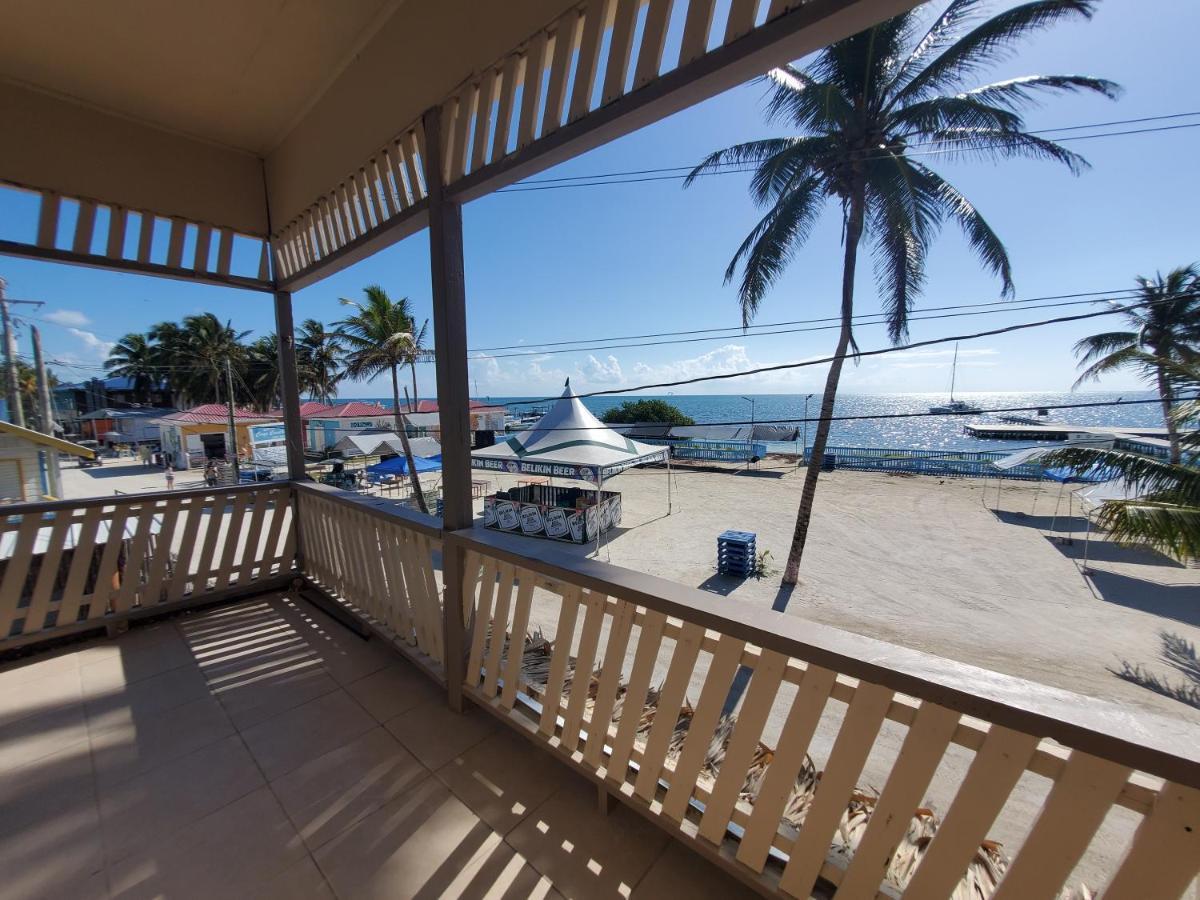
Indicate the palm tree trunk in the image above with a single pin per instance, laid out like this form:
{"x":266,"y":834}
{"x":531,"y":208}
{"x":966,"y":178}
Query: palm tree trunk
{"x":401,"y":430}
{"x":1167,"y":396}
{"x":413,"y":366}
{"x":854,"y":227}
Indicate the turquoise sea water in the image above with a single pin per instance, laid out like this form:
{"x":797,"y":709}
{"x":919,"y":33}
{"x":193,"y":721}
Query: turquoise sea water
{"x":926,"y":432}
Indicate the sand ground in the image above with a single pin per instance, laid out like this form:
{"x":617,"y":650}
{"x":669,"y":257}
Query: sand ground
{"x":927,"y":563}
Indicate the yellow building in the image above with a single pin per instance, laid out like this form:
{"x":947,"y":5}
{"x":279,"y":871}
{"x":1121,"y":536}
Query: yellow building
{"x":191,"y":437}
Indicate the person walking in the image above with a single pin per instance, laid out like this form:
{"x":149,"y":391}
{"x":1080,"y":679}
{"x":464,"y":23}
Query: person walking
{"x":210,"y":473}
{"x":170,"y":473}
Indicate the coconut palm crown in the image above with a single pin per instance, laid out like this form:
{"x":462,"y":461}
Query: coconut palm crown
{"x":867,"y":119}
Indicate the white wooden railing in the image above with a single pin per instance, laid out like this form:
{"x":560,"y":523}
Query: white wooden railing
{"x":73,"y":565}
{"x":613,"y":692}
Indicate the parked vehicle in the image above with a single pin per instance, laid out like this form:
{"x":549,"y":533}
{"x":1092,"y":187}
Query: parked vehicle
{"x":95,"y":447}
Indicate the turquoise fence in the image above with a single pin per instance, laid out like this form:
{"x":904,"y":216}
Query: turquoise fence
{"x":722,"y":451}
{"x":948,"y":463}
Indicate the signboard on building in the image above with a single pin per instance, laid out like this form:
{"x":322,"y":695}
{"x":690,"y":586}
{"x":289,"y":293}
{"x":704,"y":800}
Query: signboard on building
{"x":266,"y":434}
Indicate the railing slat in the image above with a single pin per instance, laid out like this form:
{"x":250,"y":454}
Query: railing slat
{"x":486,"y":100}
{"x":43,"y":590}
{"x":704,"y":722}
{"x":81,"y":561}
{"x":1164,"y":855}
{"x":516,"y":646}
{"x":232,"y":534}
{"x":85,"y":225}
{"x":654,"y":36}
{"x":155,"y":582}
{"x":560,"y":64}
{"x":483,"y":620}
{"x":695,"y":30}
{"x":254,"y":550}
{"x":208,"y":550}
{"x":504,"y":112}
{"x":47,"y":229}
{"x":271,"y":552}
{"x":585,"y":663}
{"x":739,"y":754}
{"x":564,"y":636}
{"x":620,"y":47}
{"x":777,"y":784}
{"x":610,"y":680}
{"x":114,"y":248}
{"x":499,"y":629}
{"x":535,"y":64}
{"x":183,"y":564}
{"x":17,"y":571}
{"x":131,"y":577}
{"x":741,"y":19}
{"x":990,"y":779}
{"x":589,"y":58}
{"x":646,"y":655}
{"x":1076,"y":806}
{"x":909,"y":777}
{"x":430,"y":594}
{"x":666,"y":715}
{"x":855,"y":738}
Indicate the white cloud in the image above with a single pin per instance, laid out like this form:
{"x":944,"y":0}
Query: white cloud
{"x":70,"y":317}
{"x":97,"y":345}
{"x":946,"y":352}
{"x":607,"y":371}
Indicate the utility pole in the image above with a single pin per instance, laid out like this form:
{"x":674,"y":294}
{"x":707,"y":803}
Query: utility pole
{"x":16,"y":413}
{"x":232,"y":452}
{"x":45,"y":412}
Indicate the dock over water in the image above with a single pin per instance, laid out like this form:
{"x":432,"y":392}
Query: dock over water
{"x":1148,"y":440}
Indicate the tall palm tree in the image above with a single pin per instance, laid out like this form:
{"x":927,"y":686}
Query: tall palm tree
{"x":1164,"y":511}
{"x":378,"y":339}
{"x":864,"y":115}
{"x":136,"y":358}
{"x":318,"y":354}
{"x":167,"y":342}
{"x":1164,"y":328}
{"x":206,"y":345}
{"x":262,"y":379}
{"x":415,"y":348}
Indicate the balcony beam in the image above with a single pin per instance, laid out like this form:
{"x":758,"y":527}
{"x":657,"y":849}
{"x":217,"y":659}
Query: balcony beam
{"x":450,"y":343}
{"x":289,"y":385}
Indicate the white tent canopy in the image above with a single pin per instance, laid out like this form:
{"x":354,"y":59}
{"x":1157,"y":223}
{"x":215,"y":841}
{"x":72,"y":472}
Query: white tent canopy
{"x":567,"y":442}
{"x":378,"y":442}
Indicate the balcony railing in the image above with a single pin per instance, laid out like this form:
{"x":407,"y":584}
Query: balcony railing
{"x":698,"y":713}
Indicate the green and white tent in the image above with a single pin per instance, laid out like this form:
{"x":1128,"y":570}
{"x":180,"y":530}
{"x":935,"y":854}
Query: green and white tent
{"x":567,"y":442}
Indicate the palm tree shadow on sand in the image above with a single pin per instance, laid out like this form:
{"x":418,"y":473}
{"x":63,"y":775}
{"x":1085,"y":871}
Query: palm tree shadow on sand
{"x":1180,"y":655}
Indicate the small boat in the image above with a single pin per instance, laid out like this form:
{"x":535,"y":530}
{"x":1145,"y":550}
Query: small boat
{"x":955,"y":407}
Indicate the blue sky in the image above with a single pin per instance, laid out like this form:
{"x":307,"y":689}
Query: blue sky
{"x":596,"y":262}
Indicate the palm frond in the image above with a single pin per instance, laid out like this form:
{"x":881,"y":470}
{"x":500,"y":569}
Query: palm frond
{"x":980,"y":236}
{"x":1155,"y":478}
{"x":1104,"y":365}
{"x":750,"y":153}
{"x":1169,"y":528}
{"x":990,"y":42}
{"x":942,"y":113}
{"x":1015,"y":93}
{"x":997,"y":144}
{"x":798,"y":99}
{"x":940,"y":34}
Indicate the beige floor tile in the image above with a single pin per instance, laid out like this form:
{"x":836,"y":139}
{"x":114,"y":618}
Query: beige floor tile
{"x":32,"y":738}
{"x":150,"y":808}
{"x":414,"y":846}
{"x":435,"y":734}
{"x":503,"y":778}
{"x":130,"y":749}
{"x":236,"y":852}
{"x":254,"y":696}
{"x":584,"y":853}
{"x":498,"y":872}
{"x":54,"y":856}
{"x":54,"y":690}
{"x":111,"y":703}
{"x":346,"y":655}
{"x":326,"y":795}
{"x":306,"y":732}
{"x":56,"y":787}
{"x":302,"y":881}
{"x":139,"y":653}
{"x":396,"y":689}
{"x":682,"y":872}
{"x":38,"y":665}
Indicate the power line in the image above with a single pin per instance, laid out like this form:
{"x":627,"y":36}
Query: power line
{"x":860,"y":354}
{"x":830,"y":327}
{"x":1017,"y":304}
{"x":942,"y":149}
{"x":688,"y":168}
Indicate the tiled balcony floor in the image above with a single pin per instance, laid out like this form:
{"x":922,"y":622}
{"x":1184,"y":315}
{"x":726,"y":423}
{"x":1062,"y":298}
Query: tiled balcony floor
{"x":262,"y":750}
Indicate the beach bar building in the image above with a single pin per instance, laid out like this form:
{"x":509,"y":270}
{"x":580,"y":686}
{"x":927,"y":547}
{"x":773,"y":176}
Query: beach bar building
{"x":192,"y":437}
{"x":255,"y":744}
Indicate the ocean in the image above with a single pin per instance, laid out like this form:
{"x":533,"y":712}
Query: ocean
{"x":925,"y":433}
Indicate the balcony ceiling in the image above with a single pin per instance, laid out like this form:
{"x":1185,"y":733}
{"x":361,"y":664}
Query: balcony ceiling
{"x":172,"y":106}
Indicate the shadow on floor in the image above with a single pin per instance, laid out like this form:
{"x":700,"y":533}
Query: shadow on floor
{"x":1060,"y":524}
{"x":1099,"y":550}
{"x":721,"y":584}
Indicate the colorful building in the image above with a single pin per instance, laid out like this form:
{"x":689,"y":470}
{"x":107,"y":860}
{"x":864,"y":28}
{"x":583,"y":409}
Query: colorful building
{"x":191,"y":437}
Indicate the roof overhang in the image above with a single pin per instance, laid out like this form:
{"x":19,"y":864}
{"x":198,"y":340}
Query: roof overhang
{"x":45,"y":440}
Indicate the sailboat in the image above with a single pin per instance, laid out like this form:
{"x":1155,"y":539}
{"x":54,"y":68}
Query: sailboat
{"x":959,"y":407}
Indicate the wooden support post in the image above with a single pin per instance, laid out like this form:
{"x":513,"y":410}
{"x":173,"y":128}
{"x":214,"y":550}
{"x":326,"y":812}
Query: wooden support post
{"x":289,"y":386}
{"x":450,"y":345}
{"x":606,"y":800}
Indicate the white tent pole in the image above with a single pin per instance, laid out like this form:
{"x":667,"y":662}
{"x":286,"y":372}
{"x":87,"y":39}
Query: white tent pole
{"x":599,"y":481}
{"x":1087,"y":540}
{"x":669,"y":504}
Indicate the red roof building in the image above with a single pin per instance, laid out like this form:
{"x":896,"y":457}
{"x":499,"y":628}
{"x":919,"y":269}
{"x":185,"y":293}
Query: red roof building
{"x":218,"y":413}
{"x":355,"y":409}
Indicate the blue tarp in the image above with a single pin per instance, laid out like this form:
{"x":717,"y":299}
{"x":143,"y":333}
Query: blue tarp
{"x":1096,"y":474}
{"x":398,"y":465}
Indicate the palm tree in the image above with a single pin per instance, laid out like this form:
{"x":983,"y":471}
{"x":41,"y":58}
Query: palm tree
{"x":415,"y":348}
{"x":317,"y":360}
{"x":1165,"y":511}
{"x":379,"y":339}
{"x":262,"y":379}
{"x":205,"y":346}
{"x":1164,"y":328}
{"x":136,"y":358}
{"x":167,"y":342}
{"x":864,"y":114}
